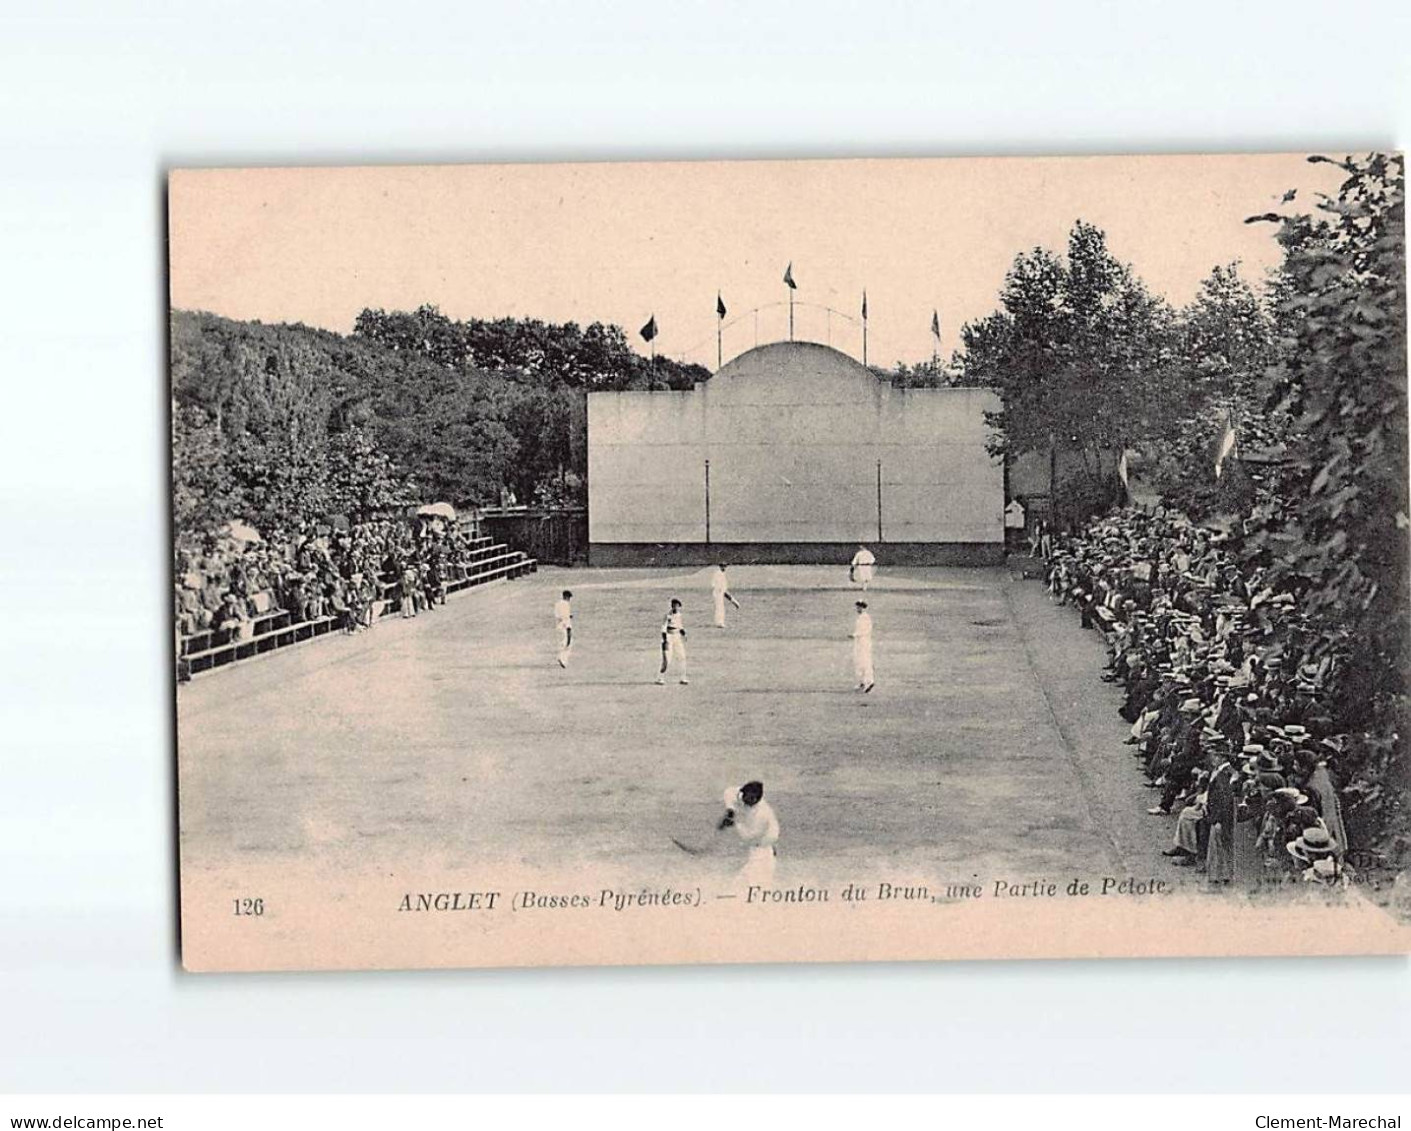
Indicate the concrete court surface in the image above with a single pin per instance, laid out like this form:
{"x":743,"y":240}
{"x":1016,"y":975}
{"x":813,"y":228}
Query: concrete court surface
{"x":988,"y":749}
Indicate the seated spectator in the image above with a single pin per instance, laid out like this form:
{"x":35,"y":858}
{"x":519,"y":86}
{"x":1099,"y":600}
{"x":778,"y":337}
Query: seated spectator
{"x":232,"y":619}
{"x":1213,"y":654}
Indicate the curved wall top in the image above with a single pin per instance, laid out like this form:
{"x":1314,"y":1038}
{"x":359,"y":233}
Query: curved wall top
{"x":789,"y":368}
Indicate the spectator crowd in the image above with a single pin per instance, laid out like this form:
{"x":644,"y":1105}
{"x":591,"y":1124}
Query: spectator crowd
{"x":348,"y":572}
{"x":1226,"y":690}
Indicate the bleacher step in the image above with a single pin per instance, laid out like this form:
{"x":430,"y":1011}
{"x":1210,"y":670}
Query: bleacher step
{"x":271,"y":636}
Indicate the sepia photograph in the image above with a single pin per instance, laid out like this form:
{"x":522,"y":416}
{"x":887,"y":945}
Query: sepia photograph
{"x":790,"y":560}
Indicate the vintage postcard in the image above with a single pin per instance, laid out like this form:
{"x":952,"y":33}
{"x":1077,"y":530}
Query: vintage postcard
{"x":787,"y":561}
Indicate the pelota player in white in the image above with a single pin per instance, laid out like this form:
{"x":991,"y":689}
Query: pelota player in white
{"x":673,"y":643}
{"x":563,"y":622}
{"x":861,"y":568}
{"x":862,"y":647}
{"x":754,"y":821}
{"x":720,"y":593}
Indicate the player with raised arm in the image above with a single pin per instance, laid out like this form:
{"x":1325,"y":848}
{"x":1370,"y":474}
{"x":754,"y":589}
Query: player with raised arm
{"x":754,"y":821}
{"x":720,"y":593}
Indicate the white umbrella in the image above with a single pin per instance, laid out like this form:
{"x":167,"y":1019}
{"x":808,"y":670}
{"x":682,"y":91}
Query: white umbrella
{"x":438,"y":510}
{"x":241,"y":532}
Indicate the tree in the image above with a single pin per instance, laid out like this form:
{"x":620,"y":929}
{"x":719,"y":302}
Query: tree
{"x":362,"y":478}
{"x":280,"y":483}
{"x":1337,"y":528}
{"x":1083,"y":357}
{"x":922,"y":375}
{"x":204,"y":494}
{"x":422,"y":331}
{"x":1226,"y":345}
{"x":250,"y":412}
{"x":1228,"y":339}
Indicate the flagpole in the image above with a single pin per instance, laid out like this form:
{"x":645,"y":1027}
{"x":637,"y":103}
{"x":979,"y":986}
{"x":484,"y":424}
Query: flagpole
{"x":864,"y":329}
{"x":879,"y":500}
{"x":789,"y":282}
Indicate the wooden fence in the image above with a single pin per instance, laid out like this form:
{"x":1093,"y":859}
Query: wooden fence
{"x":558,"y":537}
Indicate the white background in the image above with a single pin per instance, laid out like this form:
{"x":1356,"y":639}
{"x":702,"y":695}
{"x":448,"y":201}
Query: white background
{"x":97,"y":99}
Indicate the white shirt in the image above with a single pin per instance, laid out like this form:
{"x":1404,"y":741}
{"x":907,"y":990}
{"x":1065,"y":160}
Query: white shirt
{"x":719,"y":583}
{"x":757,"y":825}
{"x":673,"y":623}
{"x":862,"y":629}
{"x":863,"y":558}
{"x":563,"y":613}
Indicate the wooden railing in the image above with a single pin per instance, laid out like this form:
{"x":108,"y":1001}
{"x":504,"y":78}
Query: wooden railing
{"x":265,"y":632}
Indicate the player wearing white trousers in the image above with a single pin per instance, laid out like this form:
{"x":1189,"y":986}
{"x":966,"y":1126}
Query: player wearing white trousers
{"x":673,"y":644}
{"x":720,"y":593}
{"x":862,"y":647}
{"x":861,"y":568}
{"x":563,"y":621}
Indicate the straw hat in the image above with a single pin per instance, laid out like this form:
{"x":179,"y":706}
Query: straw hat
{"x":1314,"y":843}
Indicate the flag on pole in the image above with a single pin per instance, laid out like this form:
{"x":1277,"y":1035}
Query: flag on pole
{"x":936,"y":323}
{"x":864,"y":328}
{"x":649,"y":331}
{"x":719,"y":329}
{"x":789,"y":276}
{"x":1227,"y":445}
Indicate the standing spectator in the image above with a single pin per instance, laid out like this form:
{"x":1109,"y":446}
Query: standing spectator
{"x":1220,"y":815}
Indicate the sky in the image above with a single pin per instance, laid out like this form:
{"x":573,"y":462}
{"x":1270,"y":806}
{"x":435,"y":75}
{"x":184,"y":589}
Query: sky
{"x":622,"y":242}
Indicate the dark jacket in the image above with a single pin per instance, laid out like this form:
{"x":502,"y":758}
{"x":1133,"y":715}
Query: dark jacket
{"x":1221,"y":799}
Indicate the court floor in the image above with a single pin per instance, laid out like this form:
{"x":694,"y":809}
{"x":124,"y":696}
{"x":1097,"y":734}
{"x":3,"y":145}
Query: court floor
{"x":455,"y":736}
